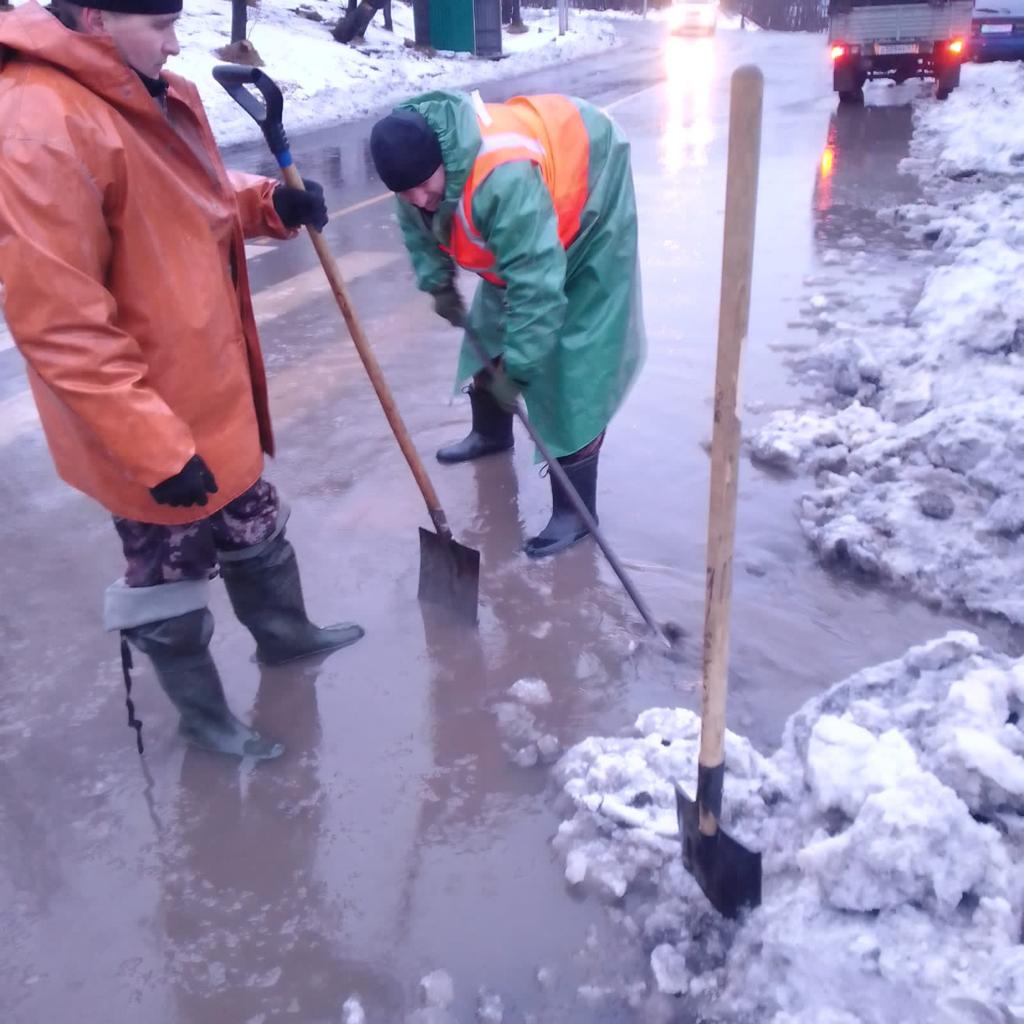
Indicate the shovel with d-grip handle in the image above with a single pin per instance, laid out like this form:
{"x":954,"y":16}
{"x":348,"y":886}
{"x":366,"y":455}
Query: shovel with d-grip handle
{"x":727,"y":872}
{"x":449,"y":571}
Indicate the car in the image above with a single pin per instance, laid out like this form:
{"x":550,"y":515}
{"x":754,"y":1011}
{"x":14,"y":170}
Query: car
{"x":699,"y":17}
{"x":997,"y":32}
{"x":899,"y":40}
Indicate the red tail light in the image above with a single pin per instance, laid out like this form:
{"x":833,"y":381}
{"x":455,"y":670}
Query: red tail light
{"x":956,"y":47}
{"x":839,"y":51}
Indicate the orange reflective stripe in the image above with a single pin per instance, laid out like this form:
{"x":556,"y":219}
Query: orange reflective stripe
{"x":544,"y":130}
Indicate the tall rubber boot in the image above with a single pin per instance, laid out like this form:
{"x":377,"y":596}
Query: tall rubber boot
{"x":179,"y":650}
{"x":565,"y":527}
{"x":266,"y":594}
{"x":491,"y":431}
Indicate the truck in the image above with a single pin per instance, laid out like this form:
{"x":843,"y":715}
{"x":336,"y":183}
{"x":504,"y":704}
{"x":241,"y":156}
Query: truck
{"x":897,"y":39}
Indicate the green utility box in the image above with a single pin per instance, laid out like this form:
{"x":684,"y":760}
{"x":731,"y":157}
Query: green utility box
{"x":467,"y":26}
{"x":451,"y":25}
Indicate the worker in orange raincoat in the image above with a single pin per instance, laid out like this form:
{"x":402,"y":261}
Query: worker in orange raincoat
{"x":123,"y":266}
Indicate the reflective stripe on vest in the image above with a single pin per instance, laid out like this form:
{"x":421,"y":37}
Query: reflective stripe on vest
{"x":547,"y":131}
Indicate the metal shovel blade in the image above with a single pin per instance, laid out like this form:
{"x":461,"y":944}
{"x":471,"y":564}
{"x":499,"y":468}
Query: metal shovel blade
{"x":728,"y":873}
{"x":449,"y":574}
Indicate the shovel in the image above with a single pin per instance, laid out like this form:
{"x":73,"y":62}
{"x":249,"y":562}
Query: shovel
{"x":449,"y":571}
{"x":670,"y":634}
{"x":728,"y":873}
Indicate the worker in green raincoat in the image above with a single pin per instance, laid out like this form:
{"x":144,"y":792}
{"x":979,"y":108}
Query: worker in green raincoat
{"x":536,"y":197}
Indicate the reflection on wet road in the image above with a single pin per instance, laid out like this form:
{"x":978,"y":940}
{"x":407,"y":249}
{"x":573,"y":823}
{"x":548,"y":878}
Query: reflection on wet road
{"x":689,"y":81}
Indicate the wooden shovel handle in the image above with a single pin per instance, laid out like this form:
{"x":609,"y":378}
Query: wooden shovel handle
{"x":733,"y":318}
{"x":373,"y":370}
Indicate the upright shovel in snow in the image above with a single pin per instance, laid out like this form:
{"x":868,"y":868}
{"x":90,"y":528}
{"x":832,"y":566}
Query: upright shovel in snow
{"x":729,"y":874}
{"x":449,"y":571}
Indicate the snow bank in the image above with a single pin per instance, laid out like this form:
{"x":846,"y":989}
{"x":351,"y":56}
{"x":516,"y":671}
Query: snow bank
{"x":980,"y":128}
{"x":324,"y":81}
{"x":918,"y":452}
{"x":891,"y":826}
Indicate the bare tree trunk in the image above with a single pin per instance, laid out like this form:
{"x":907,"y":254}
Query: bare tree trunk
{"x":356,"y":20}
{"x":239,"y":50}
{"x":239,"y":17}
{"x":421,"y":22}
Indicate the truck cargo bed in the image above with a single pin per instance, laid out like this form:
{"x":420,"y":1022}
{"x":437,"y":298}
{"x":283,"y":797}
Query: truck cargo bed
{"x":901,"y":22}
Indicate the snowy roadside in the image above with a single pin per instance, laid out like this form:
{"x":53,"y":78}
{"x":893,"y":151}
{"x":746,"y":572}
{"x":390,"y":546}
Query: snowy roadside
{"x":324,"y":81}
{"x":890,"y":822}
{"x":918,"y":452}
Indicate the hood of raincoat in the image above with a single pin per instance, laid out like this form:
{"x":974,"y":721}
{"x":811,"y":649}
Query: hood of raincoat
{"x":92,"y":60}
{"x":452,"y":117}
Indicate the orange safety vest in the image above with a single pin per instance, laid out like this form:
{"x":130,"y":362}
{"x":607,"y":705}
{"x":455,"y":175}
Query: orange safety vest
{"x":549,"y":132}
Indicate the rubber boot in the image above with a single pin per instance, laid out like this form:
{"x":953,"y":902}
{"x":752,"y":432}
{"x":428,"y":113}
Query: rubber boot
{"x":179,"y":650}
{"x":266,"y":594}
{"x":491,"y":431}
{"x":565,"y":527}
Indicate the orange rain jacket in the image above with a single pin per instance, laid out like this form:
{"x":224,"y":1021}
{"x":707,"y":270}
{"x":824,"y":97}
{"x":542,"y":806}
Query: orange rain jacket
{"x":123,"y":267}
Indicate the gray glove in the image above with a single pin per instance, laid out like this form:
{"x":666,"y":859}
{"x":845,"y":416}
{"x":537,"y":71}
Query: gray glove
{"x":448,"y":304}
{"x":504,"y":390}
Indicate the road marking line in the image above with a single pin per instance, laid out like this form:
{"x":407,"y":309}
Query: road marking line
{"x":362,"y":206}
{"x":253,"y":250}
{"x":17,"y":415}
{"x":283,"y":297}
{"x":631,"y":96}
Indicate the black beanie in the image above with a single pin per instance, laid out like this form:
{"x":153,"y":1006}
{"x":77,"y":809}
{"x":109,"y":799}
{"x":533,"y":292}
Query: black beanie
{"x":133,"y":6}
{"x":405,"y":150}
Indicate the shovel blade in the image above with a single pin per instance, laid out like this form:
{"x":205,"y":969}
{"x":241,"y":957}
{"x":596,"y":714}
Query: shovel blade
{"x":728,"y":873}
{"x":449,"y":575}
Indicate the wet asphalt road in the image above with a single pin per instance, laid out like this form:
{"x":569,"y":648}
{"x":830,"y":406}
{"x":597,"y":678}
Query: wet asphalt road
{"x":395,"y":836}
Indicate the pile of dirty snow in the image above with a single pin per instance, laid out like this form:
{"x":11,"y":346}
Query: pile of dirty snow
{"x":979,"y":128}
{"x":891,"y":822}
{"x":918,"y":452}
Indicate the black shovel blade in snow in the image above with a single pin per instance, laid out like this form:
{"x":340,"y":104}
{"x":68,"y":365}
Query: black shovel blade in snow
{"x":728,"y":873}
{"x":449,"y":574}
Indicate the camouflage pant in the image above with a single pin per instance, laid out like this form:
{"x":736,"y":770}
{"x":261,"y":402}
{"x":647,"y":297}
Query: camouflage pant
{"x":165,"y":554}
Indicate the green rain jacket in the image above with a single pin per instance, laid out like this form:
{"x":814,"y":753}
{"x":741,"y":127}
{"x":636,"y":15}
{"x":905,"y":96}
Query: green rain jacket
{"x":569,"y":323}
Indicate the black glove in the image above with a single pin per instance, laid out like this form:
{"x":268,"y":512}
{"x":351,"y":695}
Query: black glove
{"x":297,"y":208}
{"x":187,"y":487}
{"x":448,"y":303}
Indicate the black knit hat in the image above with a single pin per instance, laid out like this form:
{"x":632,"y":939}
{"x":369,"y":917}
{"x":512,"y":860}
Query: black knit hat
{"x":134,"y":6}
{"x":405,"y":150}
